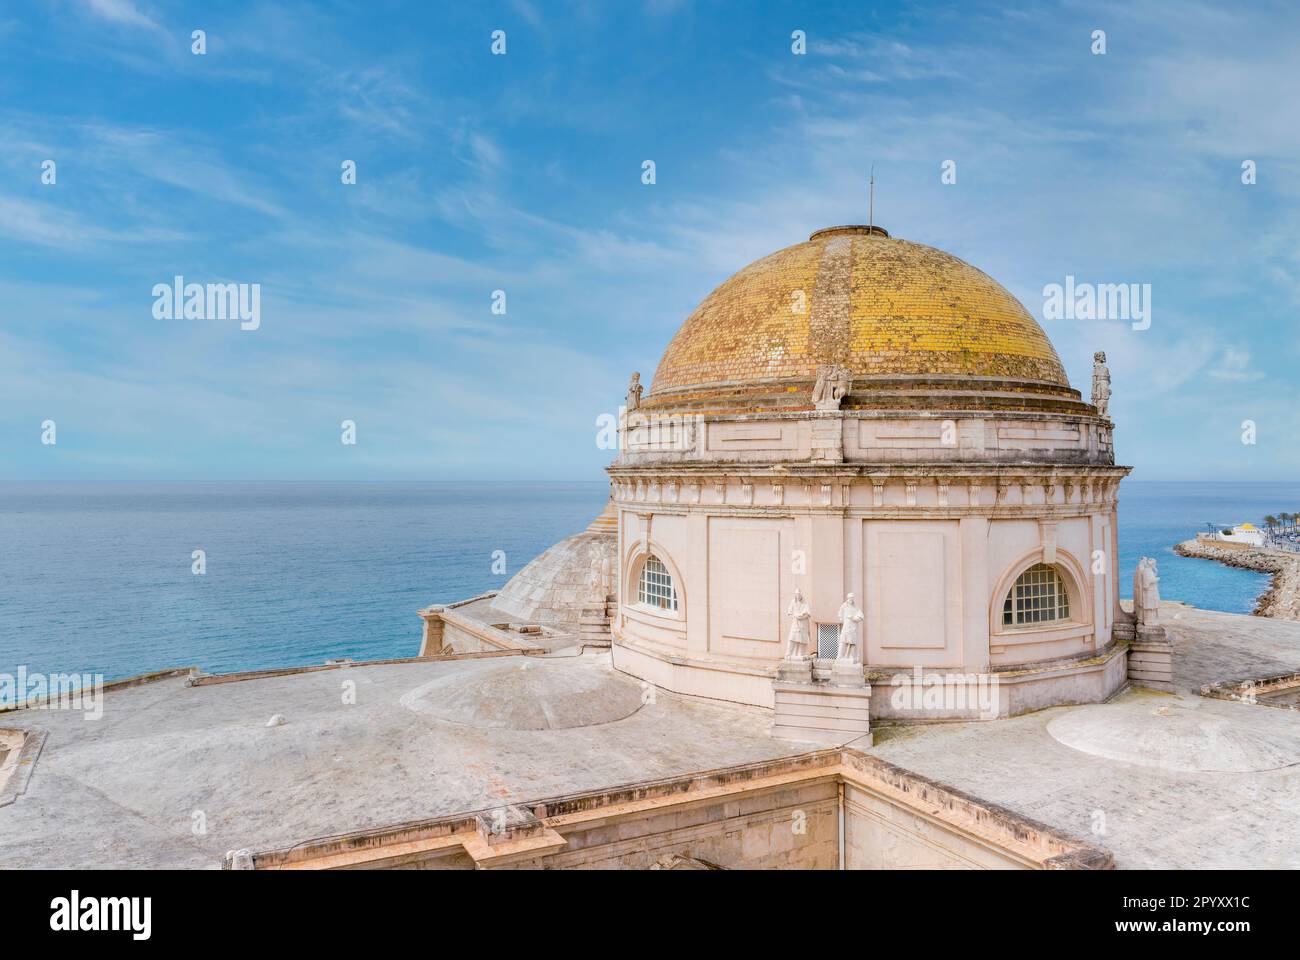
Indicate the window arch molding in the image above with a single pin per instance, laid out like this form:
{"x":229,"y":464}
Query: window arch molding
{"x":632,"y":579}
{"x":1072,"y":576}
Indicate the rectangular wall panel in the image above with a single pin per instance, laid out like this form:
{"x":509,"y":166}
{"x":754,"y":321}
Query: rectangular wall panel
{"x":913,"y":590}
{"x":914,"y":593}
{"x":746,"y":585}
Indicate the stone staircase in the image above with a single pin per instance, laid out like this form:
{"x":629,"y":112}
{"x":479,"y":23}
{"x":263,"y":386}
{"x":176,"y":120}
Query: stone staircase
{"x":593,"y":628}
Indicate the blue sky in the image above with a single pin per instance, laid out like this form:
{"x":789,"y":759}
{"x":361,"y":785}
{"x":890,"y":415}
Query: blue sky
{"x":522,"y":172}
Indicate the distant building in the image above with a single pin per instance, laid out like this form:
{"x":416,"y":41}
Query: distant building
{"x":1243,"y":533}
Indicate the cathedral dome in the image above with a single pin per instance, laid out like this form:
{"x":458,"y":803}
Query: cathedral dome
{"x":904,"y":318}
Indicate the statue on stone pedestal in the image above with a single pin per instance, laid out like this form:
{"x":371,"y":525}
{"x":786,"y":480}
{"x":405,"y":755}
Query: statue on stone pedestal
{"x":850,"y":619}
{"x":1137,"y":591}
{"x":796,"y":644}
{"x":1100,"y":383}
{"x":634,"y":389}
{"x":1148,"y":608}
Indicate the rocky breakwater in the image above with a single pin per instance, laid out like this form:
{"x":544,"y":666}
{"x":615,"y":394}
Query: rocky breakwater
{"x":1282,"y":599}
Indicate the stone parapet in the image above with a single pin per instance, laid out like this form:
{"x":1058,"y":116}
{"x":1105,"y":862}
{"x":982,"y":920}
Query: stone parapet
{"x":781,"y":813}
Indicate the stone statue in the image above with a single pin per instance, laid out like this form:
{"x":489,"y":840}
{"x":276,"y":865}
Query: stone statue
{"x":834,"y":381}
{"x":1150,"y":615}
{"x":1100,"y":383}
{"x":843,"y":384}
{"x":634,"y":389}
{"x":796,"y":644}
{"x":822,"y":389}
{"x":1137,"y":591}
{"x":850,"y":619}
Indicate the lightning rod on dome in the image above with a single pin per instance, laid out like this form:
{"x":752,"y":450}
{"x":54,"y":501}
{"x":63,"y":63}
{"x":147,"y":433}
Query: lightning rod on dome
{"x":871,"y":201}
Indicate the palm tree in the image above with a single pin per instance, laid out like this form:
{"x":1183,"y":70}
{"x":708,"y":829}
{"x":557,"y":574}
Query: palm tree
{"x":1270,"y":522}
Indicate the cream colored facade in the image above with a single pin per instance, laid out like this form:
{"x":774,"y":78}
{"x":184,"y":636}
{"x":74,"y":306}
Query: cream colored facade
{"x":943,"y":476}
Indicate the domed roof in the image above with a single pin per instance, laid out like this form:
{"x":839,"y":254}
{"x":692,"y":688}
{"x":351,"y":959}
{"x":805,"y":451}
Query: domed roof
{"x":529,"y":693}
{"x":557,"y":585}
{"x":883,"y":307}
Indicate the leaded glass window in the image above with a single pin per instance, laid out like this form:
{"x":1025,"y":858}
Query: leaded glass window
{"x":1039,"y":596}
{"x":655,"y":587}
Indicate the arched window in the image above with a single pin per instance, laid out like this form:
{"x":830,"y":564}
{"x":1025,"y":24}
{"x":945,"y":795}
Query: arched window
{"x":655,"y":587}
{"x":1039,"y":596}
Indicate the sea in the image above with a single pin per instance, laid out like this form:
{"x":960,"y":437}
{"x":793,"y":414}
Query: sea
{"x":102,"y":579}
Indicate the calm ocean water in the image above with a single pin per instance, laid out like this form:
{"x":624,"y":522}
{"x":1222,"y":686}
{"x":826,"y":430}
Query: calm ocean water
{"x":96,"y":579}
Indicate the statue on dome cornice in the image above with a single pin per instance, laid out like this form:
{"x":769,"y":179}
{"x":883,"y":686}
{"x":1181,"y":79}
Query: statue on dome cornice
{"x":634,"y":389}
{"x":1100,"y":383}
{"x":834,"y":381}
{"x":843,"y":384}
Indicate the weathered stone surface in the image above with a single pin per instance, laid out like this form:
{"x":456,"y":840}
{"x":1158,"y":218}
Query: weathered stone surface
{"x":529,"y":693}
{"x":565,"y":580}
{"x":876,"y":304}
{"x":125,"y":787}
{"x":1184,"y":734}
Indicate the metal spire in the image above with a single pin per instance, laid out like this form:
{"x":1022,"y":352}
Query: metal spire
{"x":871,"y":204}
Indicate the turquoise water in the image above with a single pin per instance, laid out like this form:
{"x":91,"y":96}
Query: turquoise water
{"x":1155,"y":516}
{"x":97,"y":579}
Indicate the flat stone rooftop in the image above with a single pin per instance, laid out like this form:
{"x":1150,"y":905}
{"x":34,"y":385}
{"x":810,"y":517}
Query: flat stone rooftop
{"x":123,"y":791}
{"x":1176,"y":781}
{"x":1161,"y":780}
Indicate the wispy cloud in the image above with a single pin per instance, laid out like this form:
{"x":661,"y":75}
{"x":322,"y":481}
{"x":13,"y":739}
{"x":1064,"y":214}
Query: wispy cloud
{"x":521,"y":173}
{"x":122,"y":12}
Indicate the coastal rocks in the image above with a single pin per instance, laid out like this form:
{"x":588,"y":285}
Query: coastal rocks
{"x":1282,"y":599}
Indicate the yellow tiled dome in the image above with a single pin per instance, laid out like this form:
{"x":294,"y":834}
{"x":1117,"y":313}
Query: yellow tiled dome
{"x":883,"y":307}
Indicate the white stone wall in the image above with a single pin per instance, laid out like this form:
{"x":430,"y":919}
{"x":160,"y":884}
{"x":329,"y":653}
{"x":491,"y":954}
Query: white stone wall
{"x":926,"y":519}
{"x":930,"y":560}
{"x":870,"y":438}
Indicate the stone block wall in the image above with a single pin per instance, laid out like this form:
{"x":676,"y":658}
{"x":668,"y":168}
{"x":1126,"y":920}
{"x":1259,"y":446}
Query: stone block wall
{"x":790,"y":828}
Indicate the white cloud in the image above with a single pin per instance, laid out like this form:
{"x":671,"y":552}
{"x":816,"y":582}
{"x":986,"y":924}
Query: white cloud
{"x":1234,"y":365}
{"x":121,"y":11}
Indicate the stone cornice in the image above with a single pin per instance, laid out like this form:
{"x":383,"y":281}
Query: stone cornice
{"x":1033,"y":473}
{"x":1045,"y":495}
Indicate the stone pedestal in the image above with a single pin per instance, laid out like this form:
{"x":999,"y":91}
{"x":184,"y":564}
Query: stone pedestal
{"x":846,"y":673}
{"x":795,"y":671}
{"x":1151,"y":659}
{"x":823,"y":713}
{"x":828,"y":436}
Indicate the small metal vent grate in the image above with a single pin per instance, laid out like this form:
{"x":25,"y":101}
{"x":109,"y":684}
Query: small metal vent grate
{"x":828,"y":641}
